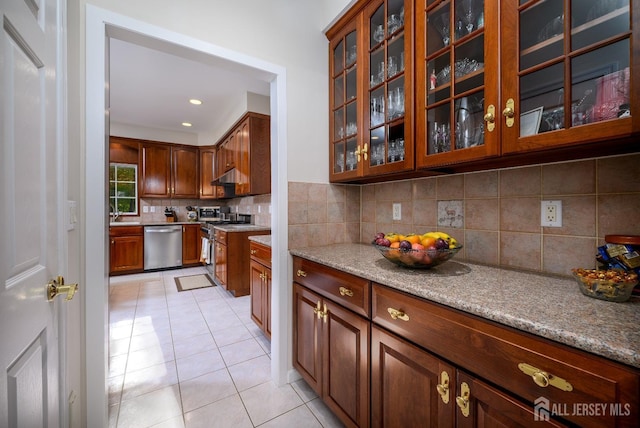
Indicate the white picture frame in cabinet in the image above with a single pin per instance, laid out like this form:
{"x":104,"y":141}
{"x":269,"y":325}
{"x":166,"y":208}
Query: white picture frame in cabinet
{"x":530,"y":122}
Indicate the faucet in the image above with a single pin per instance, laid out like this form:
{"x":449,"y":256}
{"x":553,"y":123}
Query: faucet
{"x":114,"y":213}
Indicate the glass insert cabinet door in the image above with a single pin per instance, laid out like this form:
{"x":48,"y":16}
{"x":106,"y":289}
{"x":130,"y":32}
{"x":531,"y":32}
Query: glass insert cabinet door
{"x":346,"y":148}
{"x":572,"y":72}
{"x":456,"y":81}
{"x":388,"y":120}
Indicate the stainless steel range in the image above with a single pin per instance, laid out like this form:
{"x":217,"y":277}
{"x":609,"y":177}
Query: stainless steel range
{"x":207,"y":229}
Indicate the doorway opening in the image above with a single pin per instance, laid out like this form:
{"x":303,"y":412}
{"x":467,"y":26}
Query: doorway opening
{"x":100,"y":25}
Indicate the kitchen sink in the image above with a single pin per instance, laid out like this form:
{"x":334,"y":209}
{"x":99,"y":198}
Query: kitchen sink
{"x":124,"y":223}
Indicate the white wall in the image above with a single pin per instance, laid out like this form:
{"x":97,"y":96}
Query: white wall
{"x":283,"y":32}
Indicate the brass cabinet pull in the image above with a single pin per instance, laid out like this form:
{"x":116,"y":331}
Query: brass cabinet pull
{"x":318,"y":310}
{"x":325,"y":313}
{"x":266,"y":276}
{"x":509,"y":112}
{"x":262,"y":276}
{"x":463,"y":400}
{"x":365,"y":150}
{"x":56,"y":286}
{"x":396,"y":314}
{"x":344,"y":291}
{"x":358,"y":152}
{"x":544,"y":379}
{"x":443,"y":387}
{"x":301,"y":273}
{"x":253,"y":252}
{"x":490,"y":117}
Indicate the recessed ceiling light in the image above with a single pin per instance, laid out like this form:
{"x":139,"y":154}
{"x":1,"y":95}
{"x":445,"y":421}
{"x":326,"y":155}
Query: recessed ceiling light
{"x":195,"y":101}
{"x":187,"y":124}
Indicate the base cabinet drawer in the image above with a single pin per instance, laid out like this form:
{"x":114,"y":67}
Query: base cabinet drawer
{"x":532,"y":368}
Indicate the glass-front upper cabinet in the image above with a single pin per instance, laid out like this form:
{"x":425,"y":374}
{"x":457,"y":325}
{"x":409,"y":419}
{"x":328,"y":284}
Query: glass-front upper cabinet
{"x":388,"y":121}
{"x":344,"y":121}
{"x":457,"y":82}
{"x":567,"y":73}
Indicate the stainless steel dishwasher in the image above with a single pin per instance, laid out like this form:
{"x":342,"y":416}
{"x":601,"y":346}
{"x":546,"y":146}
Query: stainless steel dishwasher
{"x":162,"y":246}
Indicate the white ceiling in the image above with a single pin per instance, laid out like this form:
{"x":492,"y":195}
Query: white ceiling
{"x":151,"y":88}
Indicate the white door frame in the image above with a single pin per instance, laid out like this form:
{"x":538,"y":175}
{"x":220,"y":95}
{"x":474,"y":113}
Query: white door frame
{"x":98,"y":23}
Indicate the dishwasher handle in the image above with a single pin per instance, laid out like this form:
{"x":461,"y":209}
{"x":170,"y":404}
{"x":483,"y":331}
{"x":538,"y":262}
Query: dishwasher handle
{"x":161,"y":230}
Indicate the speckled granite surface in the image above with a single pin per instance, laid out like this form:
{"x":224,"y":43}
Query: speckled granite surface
{"x":547,"y":306}
{"x":262,"y":239}
{"x":241,"y":227}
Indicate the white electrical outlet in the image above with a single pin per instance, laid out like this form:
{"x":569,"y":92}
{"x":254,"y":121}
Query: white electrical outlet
{"x":551,"y":214}
{"x":397,"y":211}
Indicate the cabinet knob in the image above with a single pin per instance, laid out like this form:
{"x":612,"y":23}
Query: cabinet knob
{"x":509,"y":112}
{"x":463,"y":399}
{"x":301,"y":273}
{"x":397,"y":314}
{"x":443,"y":387}
{"x":344,"y":291}
{"x":490,"y":117}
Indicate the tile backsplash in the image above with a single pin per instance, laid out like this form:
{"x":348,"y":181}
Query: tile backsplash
{"x":499,"y":222}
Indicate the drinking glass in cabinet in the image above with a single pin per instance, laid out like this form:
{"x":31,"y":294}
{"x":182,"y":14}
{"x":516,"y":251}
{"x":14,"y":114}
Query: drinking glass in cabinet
{"x":351,"y":160}
{"x":442,"y":23}
{"x":339,"y":165}
{"x":352,"y":55}
{"x":395,"y":106}
{"x":377,"y":110}
{"x":392,"y":67}
{"x":352,"y":128}
{"x":440,"y":137}
{"x":377,"y":154}
{"x":378,"y":34}
{"x":393,"y":24}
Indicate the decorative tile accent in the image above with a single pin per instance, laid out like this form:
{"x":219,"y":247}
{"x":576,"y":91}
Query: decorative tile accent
{"x":451,"y":214}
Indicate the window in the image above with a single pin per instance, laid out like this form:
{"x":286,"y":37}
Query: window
{"x":123,"y":188}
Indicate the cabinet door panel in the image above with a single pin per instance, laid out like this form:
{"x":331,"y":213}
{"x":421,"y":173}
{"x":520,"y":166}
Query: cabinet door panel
{"x":184,"y":172}
{"x":221,"y":264}
{"x":257,"y":294}
{"x":346,"y":364}
{"x":156,"y":170}
{"x":307,"y":358}
{"x":207,"y":173}
{"x":404,"y":379}
{"x":490,"y":407}
{"x":126,"y":254}
{"x":190,"y":244}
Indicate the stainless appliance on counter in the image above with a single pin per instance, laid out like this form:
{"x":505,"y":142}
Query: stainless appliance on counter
{"x":207,"y":229}
{"x":209,"y":213}
{"x":162,"y":246}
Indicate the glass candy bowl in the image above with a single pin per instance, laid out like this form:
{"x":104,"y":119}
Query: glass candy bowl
{"x":417,"y":259}
{"x":613,"y":285}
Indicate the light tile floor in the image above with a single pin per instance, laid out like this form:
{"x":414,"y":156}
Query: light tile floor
{"x":195,"y":359}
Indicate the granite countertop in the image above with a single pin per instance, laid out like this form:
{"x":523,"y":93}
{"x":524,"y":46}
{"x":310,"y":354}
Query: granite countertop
{"x":241,"y":227}
{"x":549,"y":306}
{"x":152,"y":223}
{"x":261,"y":239}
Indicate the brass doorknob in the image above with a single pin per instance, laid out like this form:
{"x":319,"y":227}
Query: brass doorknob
{"x":56,"y":286}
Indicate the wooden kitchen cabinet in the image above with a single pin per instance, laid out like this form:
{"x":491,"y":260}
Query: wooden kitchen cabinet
{"x":486,"y":84}
{"x":231,"y":255}
{"x":260,"y":284}
{"x":169,"y":171}
{"x":330,"y":342}
{"x":126,"y":249}
{"x":207,"y":172}
{"x":123,"y":150}
{"x":371,"y":91}
{"x":432,"y":365}
{"x":191,"y":245}
{"x":554,"y":375}
{"x":481,"y":95}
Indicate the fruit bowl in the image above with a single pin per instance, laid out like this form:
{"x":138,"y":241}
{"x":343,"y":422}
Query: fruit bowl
{"x":613,"y":285}
{"x":417,"y":259}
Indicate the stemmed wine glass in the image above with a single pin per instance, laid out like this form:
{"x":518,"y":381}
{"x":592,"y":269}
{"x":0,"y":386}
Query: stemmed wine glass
{"x":468,"y":14}
{"x":445,"y":29}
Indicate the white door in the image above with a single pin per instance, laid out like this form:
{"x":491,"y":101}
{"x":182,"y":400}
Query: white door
{"x":30,"y":238}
